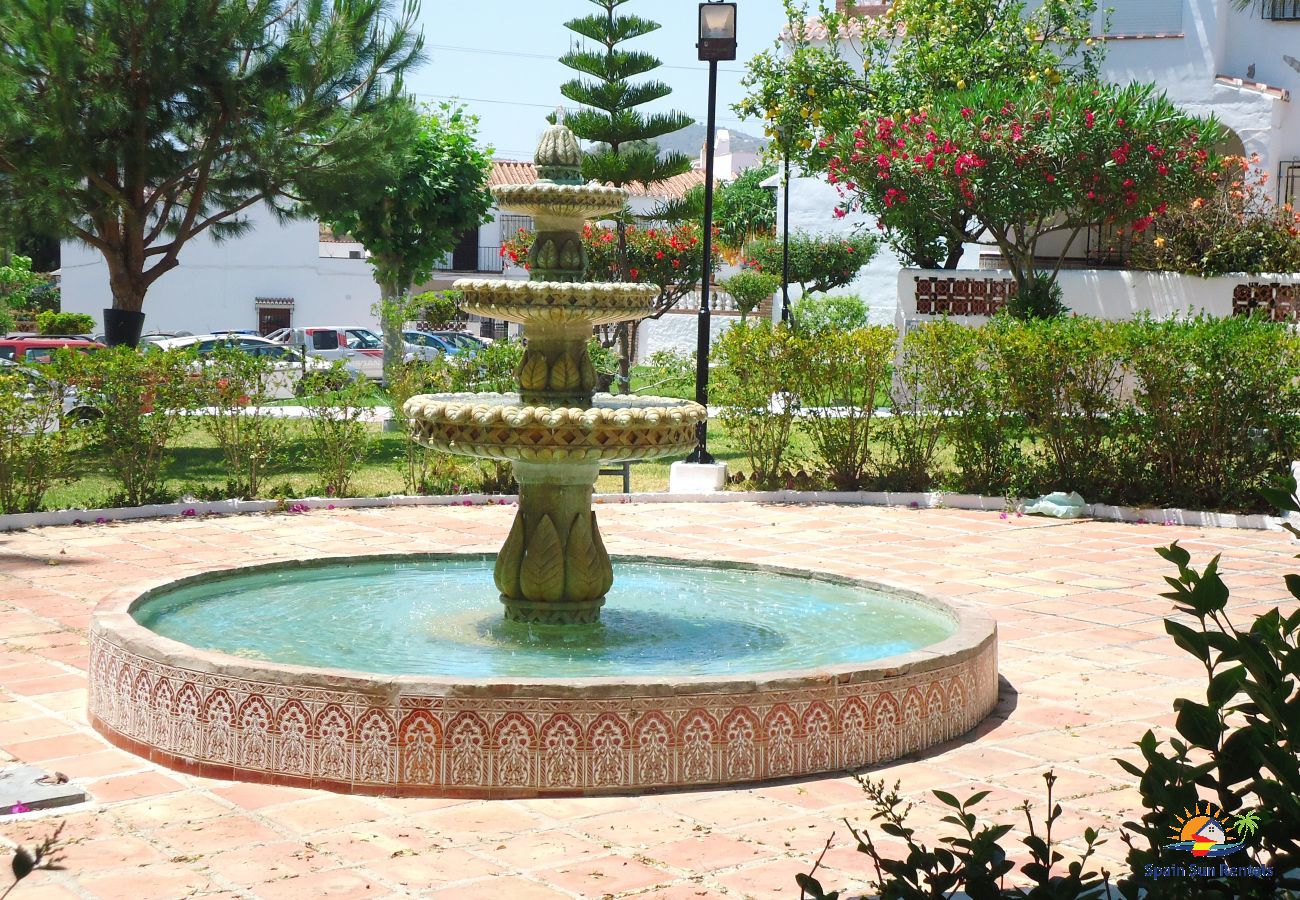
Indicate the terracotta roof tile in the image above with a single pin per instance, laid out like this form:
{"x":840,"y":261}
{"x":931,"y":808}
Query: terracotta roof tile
{"x":506,"y":171}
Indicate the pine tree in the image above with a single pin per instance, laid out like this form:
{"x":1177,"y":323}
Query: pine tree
{"x":625,"y":152}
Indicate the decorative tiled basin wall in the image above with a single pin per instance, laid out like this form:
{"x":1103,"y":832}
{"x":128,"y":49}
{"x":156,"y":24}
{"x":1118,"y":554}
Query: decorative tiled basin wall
{"x":221,"y":716}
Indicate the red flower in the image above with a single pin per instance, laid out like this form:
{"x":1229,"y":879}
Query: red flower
{"x":633,"y":273}
{"x":659,"y":254}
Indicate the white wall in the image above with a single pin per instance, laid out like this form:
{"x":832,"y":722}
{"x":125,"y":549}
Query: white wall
{"x":677,"y":331}
{"x":215,"y":285}
{"x":1106,"y":293}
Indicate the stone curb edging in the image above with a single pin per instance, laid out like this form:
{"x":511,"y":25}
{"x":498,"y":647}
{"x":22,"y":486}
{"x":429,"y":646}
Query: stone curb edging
{"x":913,"y":500}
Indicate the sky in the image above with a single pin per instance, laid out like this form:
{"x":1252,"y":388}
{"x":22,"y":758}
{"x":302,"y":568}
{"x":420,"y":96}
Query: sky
{"x":500,"y":58}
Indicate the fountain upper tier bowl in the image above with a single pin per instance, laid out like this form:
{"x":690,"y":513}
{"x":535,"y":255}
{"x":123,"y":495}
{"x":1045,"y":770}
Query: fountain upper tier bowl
{"x":544,"y":200}
{"x":501,"y":426}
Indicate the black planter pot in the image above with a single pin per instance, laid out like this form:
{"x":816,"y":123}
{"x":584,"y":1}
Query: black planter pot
{"x":123,"y":326}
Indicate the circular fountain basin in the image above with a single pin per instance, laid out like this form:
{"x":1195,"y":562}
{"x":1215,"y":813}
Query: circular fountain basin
{"x":396,"y":675}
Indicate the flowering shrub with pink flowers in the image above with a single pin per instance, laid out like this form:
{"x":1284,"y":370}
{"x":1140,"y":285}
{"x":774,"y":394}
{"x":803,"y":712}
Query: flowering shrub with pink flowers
{"x":1033,"y":167}
{"x":1237,"y":228}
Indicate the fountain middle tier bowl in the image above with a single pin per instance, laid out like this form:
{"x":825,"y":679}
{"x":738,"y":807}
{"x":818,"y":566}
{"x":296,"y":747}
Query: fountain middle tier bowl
{"x":556,"y":302}
{"x":615,"y":428}
{"x":396,"y":675}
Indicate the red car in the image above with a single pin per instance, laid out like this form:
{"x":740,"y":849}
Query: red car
{"x":37,"y":350}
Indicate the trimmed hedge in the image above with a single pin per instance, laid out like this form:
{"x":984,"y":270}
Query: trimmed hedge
{"x":1196,"y":412}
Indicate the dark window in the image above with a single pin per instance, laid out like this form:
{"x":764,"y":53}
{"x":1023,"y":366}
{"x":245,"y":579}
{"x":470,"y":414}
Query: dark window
{"x":1288,"y":182}
{"x":363,"y":340}
{"x":1282,"y":10}
{"x":324,"y":340}
{"x":7,"y":351}
{"x":272,"y":318}
{"x":465,"y":257}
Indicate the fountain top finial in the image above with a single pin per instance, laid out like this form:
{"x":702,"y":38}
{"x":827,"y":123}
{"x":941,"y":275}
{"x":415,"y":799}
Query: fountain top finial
{"x":558,"y":157}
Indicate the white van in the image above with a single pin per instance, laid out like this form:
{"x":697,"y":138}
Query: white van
{"x":359,"y":348}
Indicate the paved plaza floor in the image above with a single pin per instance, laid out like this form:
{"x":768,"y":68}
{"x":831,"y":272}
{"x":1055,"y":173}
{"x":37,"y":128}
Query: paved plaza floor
{"x":1086,"y":669}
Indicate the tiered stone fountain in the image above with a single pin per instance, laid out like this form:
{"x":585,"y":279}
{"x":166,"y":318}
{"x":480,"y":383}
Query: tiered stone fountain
{"x":393,"y":674}
{"x":553,"y":568}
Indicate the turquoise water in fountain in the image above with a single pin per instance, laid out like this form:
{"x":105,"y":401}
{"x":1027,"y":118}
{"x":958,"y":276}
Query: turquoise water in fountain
{"x":443,"y":617}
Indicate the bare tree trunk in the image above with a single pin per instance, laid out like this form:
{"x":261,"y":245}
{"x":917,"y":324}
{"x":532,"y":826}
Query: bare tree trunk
{"x":390,"y":320}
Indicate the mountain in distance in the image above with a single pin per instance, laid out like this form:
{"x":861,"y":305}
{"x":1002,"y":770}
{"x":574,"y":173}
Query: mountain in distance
{"x":690,"y":140}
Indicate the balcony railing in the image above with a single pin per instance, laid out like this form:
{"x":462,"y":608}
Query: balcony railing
{"x":489,"y":260}
{"x":1282,"y":10}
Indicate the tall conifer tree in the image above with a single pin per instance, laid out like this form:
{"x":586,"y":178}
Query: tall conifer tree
{"x":623,"y":135}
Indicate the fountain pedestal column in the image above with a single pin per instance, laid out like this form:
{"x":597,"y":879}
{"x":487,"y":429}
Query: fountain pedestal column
{"x":553,"y":568}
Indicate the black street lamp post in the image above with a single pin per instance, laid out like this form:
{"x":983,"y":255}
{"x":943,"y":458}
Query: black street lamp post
{"x":785,"y":229}
{"x":717,"y":42}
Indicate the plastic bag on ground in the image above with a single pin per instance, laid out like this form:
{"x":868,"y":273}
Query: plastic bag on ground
{"x":1060,"y":505}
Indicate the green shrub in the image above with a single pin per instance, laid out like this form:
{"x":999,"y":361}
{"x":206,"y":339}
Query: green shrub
{"x":143,"y":400}
{"x":427,"y":471}
{"x":489,"y":369}
{"x":829,"y":312}
{"x":49,"y":322}
{"x":670,"y":373}
{"x":756,"y":384}
{"x":35,"y":444}
{"x":749,"y":289}
{"x":1216,"y":404}
{"x":917,"y":418}
{"x":1065,"y":376}
{"x":983,"y":425}
{"x":840,"y":373}
{"x":434,"y":310}
{"x":338,"y":439}
{"x":235,"y":389}
{"x":1236,"y":749}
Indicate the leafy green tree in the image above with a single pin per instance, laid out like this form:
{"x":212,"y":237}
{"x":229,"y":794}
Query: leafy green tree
{"x":818,"y":263}
{"x":749,"y":289}
{"x":19,"y":288}
{"x":742,"y":210}
{"x":136,"y":127}
{"x":414,"y":207}
{"x":623,"y":134}
{"x":838,"y":70}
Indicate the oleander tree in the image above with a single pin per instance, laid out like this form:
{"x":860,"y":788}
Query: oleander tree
{"x":1033,"y":167}
{"x":413,"y":205}
{"x":611,"y":119}
{"x":833,"y":70}
{"x":818,"y":262}
{"x":138,"y":126}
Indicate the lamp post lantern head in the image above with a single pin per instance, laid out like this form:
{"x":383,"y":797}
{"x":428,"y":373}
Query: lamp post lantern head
{"x":717,"y":31}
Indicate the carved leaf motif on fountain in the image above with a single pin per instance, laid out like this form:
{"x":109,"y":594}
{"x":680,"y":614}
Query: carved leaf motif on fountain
{"x":541,"y":576}
{"x":583,"y":566}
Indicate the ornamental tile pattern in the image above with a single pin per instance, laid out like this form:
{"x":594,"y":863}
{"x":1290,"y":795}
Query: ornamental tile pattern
{"x":419,"y":744}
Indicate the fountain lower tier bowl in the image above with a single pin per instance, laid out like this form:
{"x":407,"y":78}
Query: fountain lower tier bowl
{"x":501,"y":426}
{"x":395,"y":675}
{"x":556,"y":302}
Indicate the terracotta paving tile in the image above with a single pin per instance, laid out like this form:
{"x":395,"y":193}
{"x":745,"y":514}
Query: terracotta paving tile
{"x":605,"y":875}
{"x":129,"y":787}
{"x":514,"y":888}
{"x":1086,"y":666}
{"x":211,"y":835}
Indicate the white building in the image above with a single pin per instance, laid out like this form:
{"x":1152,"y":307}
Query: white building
{"x":1242,"y":66}
{"x":727,"y":161}
{"x":274,"y":276}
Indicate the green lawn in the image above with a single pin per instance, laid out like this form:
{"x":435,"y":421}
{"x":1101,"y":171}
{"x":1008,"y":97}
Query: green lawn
{"x":196,"y":469}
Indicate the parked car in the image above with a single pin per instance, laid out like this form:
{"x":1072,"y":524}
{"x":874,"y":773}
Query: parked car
{"x":39,"y":350}
{"x":427,"y":346}
{"x":75,"y":410}
{"x":462,"y":340}
{"x":358,"y":347}
{"x":290,"y":366}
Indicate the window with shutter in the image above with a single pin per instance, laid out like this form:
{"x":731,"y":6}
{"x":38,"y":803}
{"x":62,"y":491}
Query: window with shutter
{"x":1128,"y":17}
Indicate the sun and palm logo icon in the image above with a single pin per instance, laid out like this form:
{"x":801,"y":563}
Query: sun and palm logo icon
{"x":1204,"y":831}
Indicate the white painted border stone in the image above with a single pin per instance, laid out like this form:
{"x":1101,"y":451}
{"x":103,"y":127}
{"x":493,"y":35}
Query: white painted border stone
{"x":912,"y":500}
